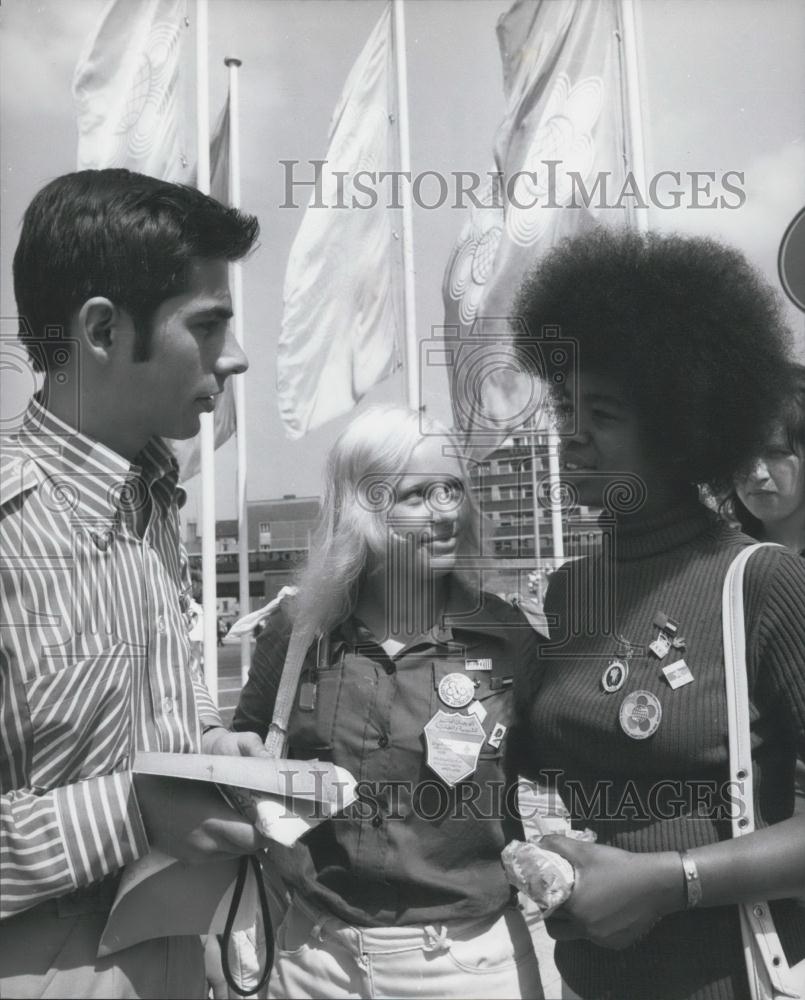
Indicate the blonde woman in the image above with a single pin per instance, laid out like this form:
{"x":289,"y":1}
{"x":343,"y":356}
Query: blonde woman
{"x":407,"y":684}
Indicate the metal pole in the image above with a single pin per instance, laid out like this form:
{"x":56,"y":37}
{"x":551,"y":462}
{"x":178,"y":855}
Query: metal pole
{"x":532,"y":432}
{"x":409,"y":296}
{"x":556,"y":506}
{"x":633,"y":111}
{"x":208,"y":577}
{"x":240,"y":384}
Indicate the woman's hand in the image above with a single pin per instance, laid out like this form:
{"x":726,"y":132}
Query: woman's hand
{"x":618,"y":895}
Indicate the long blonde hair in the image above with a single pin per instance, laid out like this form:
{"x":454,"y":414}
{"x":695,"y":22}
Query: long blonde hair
{"x":358,"y":493}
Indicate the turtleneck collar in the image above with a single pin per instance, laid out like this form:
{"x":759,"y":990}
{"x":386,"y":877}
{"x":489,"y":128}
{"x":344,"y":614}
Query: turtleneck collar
{"x":641,"y":538}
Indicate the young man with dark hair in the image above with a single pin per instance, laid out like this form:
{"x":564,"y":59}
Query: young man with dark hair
{"x":122,"y":289}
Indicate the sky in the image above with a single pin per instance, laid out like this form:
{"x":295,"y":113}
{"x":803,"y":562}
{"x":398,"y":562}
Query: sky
{"x":721,"y":89}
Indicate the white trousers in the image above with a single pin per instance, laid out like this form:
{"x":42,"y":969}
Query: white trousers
{"x":319,"y":955}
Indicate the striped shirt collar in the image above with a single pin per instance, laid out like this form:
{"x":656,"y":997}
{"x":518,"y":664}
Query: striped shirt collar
{"x":104,"y":479}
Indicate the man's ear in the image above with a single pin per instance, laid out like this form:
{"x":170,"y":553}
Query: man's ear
{"x":99,"y":325}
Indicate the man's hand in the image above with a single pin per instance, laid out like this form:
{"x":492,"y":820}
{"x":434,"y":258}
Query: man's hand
{"x":618,"y":896}
{"x":190,"y":820}
{"x":221,"y":741}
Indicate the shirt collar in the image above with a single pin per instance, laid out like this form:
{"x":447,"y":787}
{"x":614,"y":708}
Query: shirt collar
{"x":86,"y":472}
{"x":466,"y":610}
{"x":470,"y":609}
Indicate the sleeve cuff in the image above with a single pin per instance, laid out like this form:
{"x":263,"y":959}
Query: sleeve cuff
{"x":101,"y":826}
{"x":208,"y":714}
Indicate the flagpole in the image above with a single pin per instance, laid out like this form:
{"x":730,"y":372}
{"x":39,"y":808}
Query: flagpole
{"x":635,"y":152}
{"x":234,"y":65}
{"x":208,"y":576}
{"x":409,"y":297}
{"x":556,"y":500}
{"x":532,"y":437}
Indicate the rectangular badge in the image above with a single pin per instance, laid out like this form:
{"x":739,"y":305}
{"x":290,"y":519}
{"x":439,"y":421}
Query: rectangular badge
{"x":482,"y":664}
{"x":497,"y":734}
{"x":477,"y":709}
{"x":678,"y":674}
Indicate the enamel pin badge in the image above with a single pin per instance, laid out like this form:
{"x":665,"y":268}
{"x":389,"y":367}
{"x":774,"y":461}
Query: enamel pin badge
{"x":640,"y":714}
{"x":678,"y":674}
{"x":484,"y":663}
{"x":453,"y":745}
{"x":456,"y":690}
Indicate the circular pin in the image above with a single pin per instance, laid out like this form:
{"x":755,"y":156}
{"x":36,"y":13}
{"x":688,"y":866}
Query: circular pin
{"x":456,"y":690}
{"x":640,"y":714}
{"x":614,"y":676}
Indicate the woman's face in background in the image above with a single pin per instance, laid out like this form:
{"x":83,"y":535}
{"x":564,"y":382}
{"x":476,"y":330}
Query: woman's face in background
{"x":774,"y":488}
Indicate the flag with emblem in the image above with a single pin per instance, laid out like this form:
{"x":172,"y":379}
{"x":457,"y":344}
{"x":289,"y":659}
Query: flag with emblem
{"x":342,"y":295}
{"x":127,"y":90}
{"x":560,"y":168}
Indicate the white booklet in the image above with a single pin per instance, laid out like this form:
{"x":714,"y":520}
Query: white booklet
{"x":160,"y":896}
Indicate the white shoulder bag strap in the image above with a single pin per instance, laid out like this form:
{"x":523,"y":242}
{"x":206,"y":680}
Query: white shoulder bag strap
{"x":765,"y":960}
{"x":286,"y":693}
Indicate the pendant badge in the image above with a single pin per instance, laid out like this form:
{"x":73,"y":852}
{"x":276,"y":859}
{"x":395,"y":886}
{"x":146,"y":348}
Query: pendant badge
{"x":640,"y":714}
{"x":456,"y":690}
{"x":453,"y":745}
{"x":614,"y":676}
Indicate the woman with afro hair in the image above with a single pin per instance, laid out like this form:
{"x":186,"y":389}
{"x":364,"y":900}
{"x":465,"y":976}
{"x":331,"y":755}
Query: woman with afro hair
{"x":682,"y":361}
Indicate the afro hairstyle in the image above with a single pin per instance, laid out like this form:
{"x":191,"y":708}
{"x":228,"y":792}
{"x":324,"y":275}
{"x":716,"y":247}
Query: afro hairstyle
{"x":687,"y":329}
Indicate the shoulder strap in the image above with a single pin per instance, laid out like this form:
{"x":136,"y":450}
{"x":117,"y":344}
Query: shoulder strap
{"x":740,"y":745}
{"x":759,"y":934}
{"x":298,"y":646}
{"x":286,"y":692}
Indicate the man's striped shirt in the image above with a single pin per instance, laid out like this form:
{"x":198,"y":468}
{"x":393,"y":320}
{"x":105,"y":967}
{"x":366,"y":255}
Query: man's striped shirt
{"x":94,"y":657}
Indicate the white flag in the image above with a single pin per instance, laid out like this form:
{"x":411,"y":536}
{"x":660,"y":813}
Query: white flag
{"x":342,"y":296}
{"x":560,"y":168}
{"x":127,"y":90}
{"x":128,"y":94}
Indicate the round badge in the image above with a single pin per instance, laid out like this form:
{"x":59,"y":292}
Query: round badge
{"x":456,"y":690}
{"x":614,"y":675}
{"x":640,"y":714}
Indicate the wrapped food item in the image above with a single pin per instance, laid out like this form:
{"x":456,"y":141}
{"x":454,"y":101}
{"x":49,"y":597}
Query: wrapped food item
{"x":543,"y":813}
{"x":542,"y":810}
{"x":544,"y":876}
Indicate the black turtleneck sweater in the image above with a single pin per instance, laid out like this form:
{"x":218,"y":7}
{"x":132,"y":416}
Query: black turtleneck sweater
{"x":665,"y":792}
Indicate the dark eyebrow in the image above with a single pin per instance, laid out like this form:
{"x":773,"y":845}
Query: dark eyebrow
{"x":597,"y":397}
{"x":223,"y":313}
